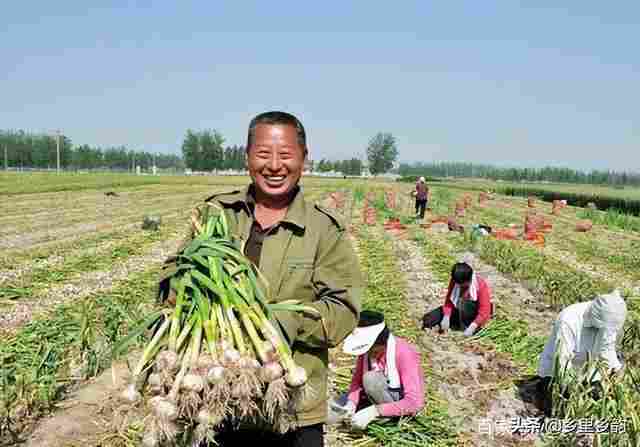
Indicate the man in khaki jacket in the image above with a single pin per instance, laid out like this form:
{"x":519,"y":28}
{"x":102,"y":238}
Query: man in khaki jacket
{"x":305,"y":254}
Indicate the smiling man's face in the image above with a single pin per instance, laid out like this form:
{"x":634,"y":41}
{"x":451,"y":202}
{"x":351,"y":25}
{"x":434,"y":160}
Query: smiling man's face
{"x":275,"y":160}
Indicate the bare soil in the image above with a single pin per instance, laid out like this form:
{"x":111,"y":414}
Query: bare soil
{"x":91,"y":415}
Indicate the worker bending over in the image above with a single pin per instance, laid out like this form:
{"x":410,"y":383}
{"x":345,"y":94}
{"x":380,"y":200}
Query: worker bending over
{"x":582,"y":332}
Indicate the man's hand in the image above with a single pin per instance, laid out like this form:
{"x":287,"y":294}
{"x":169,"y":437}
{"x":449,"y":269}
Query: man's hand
{"x":364,"y":417}
{"x":444,"y":324}
{"x":171,"y":298}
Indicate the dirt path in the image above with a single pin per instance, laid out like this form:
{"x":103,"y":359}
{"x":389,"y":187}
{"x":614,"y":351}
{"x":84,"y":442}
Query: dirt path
{"x":29,"y":240}
{"x":472,"y":376}
{"x":340,"y":363}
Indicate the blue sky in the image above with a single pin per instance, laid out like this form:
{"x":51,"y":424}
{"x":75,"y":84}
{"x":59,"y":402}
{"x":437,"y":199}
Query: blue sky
{"x":502,"y":82}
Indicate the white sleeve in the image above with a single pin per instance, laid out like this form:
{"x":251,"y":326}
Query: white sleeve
{"x":566,"y":346}
{"x":606,"y":348}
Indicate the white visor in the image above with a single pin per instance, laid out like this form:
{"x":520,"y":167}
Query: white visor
{"x":361,"y":339}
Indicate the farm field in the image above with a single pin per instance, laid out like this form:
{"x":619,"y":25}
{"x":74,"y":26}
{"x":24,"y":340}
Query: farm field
{"x":598,"y":190}
{"x":77,"y":273}
{"x":37,"y":182}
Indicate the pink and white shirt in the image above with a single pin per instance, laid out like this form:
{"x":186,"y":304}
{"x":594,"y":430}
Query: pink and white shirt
{"x":409,"y":369}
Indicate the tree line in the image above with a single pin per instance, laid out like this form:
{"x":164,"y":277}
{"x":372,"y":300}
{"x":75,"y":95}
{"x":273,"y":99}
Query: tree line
{"x":205,"y":151}
{"x":347,"y":167}
{"x":201,"y":151}
{"x":20,"y":149}
{"x":550,"y":174}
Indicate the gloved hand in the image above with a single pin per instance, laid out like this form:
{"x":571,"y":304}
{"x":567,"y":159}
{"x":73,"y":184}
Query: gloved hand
{"x":469,"y":331}
{"x":342,"y":412}
{"x":350,"y":409}
{"x":364,"y":417}
{"x":445,"y":323}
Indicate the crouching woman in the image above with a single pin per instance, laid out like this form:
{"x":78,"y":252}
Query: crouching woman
{"x":468,"y":305}
{"x":388,"y":380}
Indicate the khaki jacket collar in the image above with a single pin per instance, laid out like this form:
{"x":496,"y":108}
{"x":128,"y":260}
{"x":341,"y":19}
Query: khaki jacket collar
{"x":296,"y":212}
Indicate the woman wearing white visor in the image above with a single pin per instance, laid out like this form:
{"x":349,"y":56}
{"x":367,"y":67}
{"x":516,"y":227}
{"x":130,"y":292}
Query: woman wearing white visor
{"x":582,"y":332}
{"x":387,"y":381}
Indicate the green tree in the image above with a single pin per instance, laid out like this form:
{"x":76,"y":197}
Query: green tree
{"x":382,"y":153}
{"x":354,"y":167}
{"x":191,"y":150}
{"x":212,"y":150}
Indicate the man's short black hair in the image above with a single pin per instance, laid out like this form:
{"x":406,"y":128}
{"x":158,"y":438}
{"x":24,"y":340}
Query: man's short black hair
{"x":461,"y":273}
{"x":277,"y":118}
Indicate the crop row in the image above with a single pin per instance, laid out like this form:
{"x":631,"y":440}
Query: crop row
{"x":627,"y":206}
{"x":83,"y":213}
{"x":36,"y":281}
{"x":601,"y":249}
{"x":32,"y":183}
{"x":579,"y":195}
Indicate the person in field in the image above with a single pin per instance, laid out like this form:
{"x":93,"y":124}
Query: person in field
{"x":467,"y":306}
{"x":582,"y":332}
{"x":422,"y":196}
{"x":304,"y":251}
{"x":388,"y":380}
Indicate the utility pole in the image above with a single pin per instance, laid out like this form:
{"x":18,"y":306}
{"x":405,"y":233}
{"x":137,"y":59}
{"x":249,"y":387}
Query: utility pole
{"x":58,"y":151}
{"x":6,"y":159}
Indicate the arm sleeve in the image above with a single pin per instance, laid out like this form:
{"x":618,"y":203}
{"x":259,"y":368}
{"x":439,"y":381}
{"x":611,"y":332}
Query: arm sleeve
{"x":355,"y":389}
{"x":607,"y":351}
{"x":565,"y":346}
{"x":484,"y":304}
{"x":337,"y":283}
{"x":448,"y":307}
{"x":412,"y":380}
